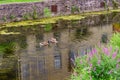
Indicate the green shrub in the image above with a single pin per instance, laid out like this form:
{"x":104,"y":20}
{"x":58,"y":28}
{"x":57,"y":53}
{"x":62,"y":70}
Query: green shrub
{"x":99,"y":64}
{"x":115,"y":40}
{"x":47,"y":12}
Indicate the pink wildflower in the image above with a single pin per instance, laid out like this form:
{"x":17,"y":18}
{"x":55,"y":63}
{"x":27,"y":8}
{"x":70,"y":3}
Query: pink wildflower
{"x":90,"y":65}
{"x":99,"y":62}
{"x":81,"y":62}
{"x":114,"y":54}
{"x":106,"y":51}
{"x":94,"y":69}
{"x":90,"y":77}
{"x":118,"y":60}
{"x":110,"y":72}
{"x":117,"y":66}
{"x":92,"y":52}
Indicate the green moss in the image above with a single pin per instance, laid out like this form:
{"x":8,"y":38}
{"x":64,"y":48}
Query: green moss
{"x":5,"y":32}
{"x":55,"y":19}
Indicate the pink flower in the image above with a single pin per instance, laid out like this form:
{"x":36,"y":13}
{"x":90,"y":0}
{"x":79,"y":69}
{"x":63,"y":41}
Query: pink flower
{"x":94,"y":69}
{"x":81,"y":62}
{"x":110,"y":72}
{"x":117,"y":66}
{"x":92,"y":52}
{"x":114,"y":54}
{"x":90,"y":65}
{"x":90,"y":77}
{"x":99,"y":62}
{"x":106,"y":51}
{"x":118,"y":60}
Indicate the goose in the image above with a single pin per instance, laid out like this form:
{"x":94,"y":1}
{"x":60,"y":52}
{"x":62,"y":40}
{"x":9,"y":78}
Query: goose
{"x":43,"y":44}
{"x":53,"y":40}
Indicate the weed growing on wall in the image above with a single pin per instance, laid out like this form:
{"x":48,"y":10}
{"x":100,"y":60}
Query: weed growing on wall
{"x":74,"y":9}
{"x":35,"y":15}
{"x":115,"y":4}
{"x":26,"y":16}
{"x":12,"y":17}
{"x":47,"y":12}
{"x":4,"y":18}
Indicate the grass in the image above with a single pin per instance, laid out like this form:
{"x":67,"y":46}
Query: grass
{"x":5,"y":32}
{"x":55,"y":19}
{"x":17,"y":1}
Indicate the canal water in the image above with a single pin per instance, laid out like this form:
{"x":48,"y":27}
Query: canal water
{"x":22,"y":57}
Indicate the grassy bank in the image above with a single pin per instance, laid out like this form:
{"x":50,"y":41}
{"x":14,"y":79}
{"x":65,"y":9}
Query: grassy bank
{"x":55,"y":19}
{"x":17,"y":1}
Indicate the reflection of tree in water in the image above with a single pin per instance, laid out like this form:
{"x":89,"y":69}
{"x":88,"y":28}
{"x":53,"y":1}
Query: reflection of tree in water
{"x":57,"y":35}
{"x":8,"y":69}
{"x":82,"y":33}
{"x":22,"y":42}
{"x":8,"y":48}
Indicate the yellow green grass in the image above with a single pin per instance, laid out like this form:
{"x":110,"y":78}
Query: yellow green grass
{"x":5,"y":32}
{"x":55,"y":19}
{"x":17,"y":1}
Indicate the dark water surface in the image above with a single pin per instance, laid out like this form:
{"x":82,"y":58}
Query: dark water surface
{"x":22,"y":58}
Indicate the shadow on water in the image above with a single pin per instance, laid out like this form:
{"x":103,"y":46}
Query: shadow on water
{"x":22,"y":57}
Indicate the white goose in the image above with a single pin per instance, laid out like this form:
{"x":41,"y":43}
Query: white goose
{"x":53,"y":40}
{"x":43,"y":44}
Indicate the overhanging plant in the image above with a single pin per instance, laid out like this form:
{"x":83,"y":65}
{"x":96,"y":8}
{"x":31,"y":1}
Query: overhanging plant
{"x":101,"y":63}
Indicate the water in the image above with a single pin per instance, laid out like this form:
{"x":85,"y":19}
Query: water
{"x":29,"y":61}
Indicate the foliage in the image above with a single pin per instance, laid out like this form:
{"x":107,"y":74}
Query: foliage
{"x":7,"y":48}
{"x":4,"y":18}
{"x":47,"y":12}
{"x":35,"y":15}
{"x":115,"y":40}
{"x":74,"y":9}
{"x":12,"y":17}
{"x":26,"y":16}
{"x":48,"y":27}
{"x":115,"y":4}
{"x":106,"y":7}
{"x":100,"y":63}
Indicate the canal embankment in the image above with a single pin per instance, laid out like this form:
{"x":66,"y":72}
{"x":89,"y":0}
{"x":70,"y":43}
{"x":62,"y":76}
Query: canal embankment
{"x":55,"y":19}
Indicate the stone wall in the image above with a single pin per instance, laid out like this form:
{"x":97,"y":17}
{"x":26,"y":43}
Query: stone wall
{"x":18,"y":11}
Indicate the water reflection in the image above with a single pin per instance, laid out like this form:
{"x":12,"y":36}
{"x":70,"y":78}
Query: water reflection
{"x":50,"y":62}
{"x":82,"y":32}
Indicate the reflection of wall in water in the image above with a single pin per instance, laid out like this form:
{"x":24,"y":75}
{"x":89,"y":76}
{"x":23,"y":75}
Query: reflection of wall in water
{"x":51,"y":63}
{"x":96,"y":37}
{"x":31,"y":42}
